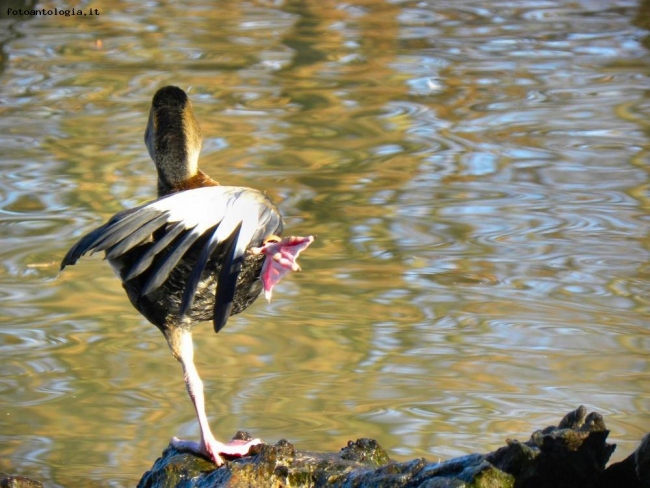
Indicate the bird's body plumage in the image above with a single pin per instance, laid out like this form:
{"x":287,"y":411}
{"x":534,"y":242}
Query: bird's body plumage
{"x":199,"y":252}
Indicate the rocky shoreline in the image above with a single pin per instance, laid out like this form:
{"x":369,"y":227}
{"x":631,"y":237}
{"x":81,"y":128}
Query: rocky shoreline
{"x":572,"y":454}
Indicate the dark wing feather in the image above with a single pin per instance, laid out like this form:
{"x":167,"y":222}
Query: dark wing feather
{"x":120,"y":226}
{"x":227,"y":282}
{"x":142,"y":264}
{"x":139,"y":234}
{"x":90,"y":240}
{"x":162,"y":270}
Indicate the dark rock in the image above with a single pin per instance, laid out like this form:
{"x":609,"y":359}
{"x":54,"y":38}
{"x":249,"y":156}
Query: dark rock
{"x":642,"y":461}
{"x":573,"y":454}
{"x":365,"y":451}
{"x":7,"y":481}
{"x":620,"y":474}
{"x":632,"y":472}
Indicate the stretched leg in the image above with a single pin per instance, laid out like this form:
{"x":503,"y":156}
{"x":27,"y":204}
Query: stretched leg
{"x":180,"y":342}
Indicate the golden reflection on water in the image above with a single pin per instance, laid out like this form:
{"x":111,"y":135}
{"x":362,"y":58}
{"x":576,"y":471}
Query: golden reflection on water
{"x":476,"y":178}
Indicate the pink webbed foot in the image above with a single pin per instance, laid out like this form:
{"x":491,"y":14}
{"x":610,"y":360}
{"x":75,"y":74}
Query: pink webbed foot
{"x":213,"y":450}
{"x":281,"y":258}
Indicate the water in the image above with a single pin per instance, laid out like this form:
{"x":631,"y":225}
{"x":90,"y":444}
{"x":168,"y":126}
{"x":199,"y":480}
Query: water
{"x":477,"y":178}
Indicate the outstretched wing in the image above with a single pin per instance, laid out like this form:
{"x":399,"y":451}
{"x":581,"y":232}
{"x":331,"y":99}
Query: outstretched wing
{"x":232,"y":218}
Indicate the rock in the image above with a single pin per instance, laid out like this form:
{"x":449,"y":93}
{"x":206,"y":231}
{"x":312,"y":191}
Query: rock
{"x":267,"y":465}
{"x":642,"y":461}
{"x":7,"y":481}
{"x":572,"y":454}
{"x":632,"y":472}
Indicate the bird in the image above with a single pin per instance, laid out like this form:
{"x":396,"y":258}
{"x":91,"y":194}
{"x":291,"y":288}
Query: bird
{"x":200,"y":251}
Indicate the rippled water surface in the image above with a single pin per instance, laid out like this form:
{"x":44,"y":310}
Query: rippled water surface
{"x":477,"y":176}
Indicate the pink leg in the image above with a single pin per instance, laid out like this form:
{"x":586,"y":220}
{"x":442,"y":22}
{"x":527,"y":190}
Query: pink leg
{"x":208,"y":446}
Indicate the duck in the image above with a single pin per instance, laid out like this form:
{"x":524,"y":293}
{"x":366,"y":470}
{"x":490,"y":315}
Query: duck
{"x":198,"y":252}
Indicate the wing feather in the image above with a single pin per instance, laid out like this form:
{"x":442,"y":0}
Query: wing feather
{"x":120,"y":226}
{"x":132,"y":239}
{"x":163,"y":269}
{"x":143,"y":263}
{"x":227,"y":282}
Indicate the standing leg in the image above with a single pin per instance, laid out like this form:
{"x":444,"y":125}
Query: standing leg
{"x":180,"y":342}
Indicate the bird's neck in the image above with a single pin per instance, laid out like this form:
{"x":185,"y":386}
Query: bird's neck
{"x":199,"y":180}
{"x":172,"y":176}
{"x":177,"y":153}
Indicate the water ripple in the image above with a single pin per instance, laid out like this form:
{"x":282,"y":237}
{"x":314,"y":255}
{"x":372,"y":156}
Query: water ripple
{"x":475,"y":175}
